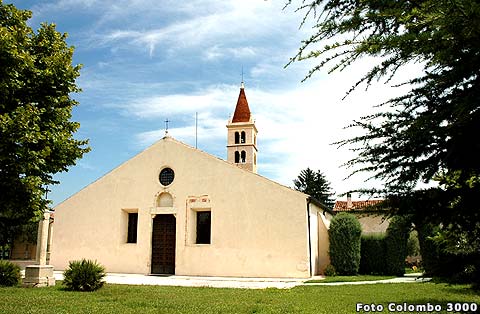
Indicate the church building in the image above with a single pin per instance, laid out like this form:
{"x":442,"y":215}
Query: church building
{"x":174,"y":209}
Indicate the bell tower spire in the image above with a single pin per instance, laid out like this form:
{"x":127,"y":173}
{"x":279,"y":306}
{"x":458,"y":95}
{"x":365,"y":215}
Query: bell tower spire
{"x":242,"y":135}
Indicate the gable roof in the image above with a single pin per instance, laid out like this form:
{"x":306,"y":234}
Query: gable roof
{"x":242,"y":111}
{"x":343,"y":206}
{"x":195,"y":150}
{"x":230,"y":164}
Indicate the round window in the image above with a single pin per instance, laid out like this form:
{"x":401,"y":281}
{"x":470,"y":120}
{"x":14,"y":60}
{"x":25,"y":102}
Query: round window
{"x":166,"y":176}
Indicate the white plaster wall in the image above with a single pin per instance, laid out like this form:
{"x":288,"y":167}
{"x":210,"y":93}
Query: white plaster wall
{"x":373,"y":223}
{"x":259,"y":228}
{"x":314,"y":249}
{"x":324,"y":219}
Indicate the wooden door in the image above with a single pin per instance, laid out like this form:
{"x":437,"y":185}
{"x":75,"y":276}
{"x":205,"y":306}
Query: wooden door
{"x":163,"y":244}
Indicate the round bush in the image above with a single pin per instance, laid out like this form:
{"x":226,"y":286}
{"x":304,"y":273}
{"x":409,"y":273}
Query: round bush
{"x":330,"y":271}
{"x":344,"y":236}
{"x":84,"y":275}
{"x":9,"y":274}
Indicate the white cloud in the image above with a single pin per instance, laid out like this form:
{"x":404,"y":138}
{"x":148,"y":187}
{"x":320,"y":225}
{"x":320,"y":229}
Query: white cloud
{"x":297,"y":122}
{"x":297,"y":126}
{"x":63,"y":5}
{"x":219,"y":52}
{"x":204,"y":102}
{"x":201,"y":23}
{"x":207,"y":134}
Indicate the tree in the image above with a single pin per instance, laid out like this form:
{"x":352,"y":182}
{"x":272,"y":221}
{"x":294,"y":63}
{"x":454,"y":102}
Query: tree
{"x":315,"y":184}
{"x":429,"y":133}
{"x":36,"y":135}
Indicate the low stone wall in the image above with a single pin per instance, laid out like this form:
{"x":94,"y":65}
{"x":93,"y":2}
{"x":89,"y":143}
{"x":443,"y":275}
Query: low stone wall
{"x":23,"y":263}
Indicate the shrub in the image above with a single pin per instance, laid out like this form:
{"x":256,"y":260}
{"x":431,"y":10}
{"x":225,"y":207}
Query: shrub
{"x":413,"y":246}
{"x":9,"y":274}
{"x":373,"y":255}
{"x":344,"y":236}
{"x":396,"y":246}
{"x":436,"y":261}
{"x":330,"y":270}
{"x":84,"y":275}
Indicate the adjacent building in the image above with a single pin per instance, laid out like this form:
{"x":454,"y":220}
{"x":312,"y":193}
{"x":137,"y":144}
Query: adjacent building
{"x":371,"y":219}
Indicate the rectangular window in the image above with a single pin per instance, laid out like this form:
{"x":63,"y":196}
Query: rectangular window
{"x":204,"y":224}
{"x":132,"y":227}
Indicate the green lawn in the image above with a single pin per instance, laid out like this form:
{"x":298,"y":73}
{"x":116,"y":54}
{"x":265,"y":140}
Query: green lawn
{"x":408,"y":270}
{"x":119,"y":299}
{"x":349,"y":278}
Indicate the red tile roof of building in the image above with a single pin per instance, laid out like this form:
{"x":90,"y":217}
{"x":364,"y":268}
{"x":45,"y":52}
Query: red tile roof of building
{"x":341,"y":206}
{"x":242,"y":111}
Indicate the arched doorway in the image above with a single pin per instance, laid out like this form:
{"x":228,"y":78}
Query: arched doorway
{"x":163,"y":244}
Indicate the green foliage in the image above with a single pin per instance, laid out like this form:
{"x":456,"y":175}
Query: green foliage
{"x":84,"y":275}
{"x":9,"y":274}
{"x":432,"y":256}
{"x":355,"y":278}
{"x":384,"y":254}
{"x":396,"y":246}
{"x":439,"y":260}
{"x":413,"y":246}
{"x":330,"y":271}
{"x":373,"y":255}
{"x":315,"y":184}
{"x":344,"y":236}
{"x":428,"y":133}
{"x":36,"y":135}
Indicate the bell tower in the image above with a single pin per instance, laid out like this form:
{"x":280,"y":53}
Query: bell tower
{"x":242,"y":135}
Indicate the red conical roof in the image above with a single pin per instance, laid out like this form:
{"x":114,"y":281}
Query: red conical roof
{"x":242,"y":111}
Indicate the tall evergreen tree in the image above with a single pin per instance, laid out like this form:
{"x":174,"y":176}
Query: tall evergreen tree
{"x":315,"y":184}
{"x":36,"y":135}
{"x":431,"y":132}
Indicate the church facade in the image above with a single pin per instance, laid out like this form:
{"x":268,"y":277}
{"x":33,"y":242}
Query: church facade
{"x":174,"y":209}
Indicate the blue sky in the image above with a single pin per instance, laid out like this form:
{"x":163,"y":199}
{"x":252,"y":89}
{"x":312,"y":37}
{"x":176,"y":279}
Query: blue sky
{"x":146,"y":61}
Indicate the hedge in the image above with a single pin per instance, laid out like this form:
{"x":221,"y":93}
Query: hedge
{"x":396,"y":246}
{"x":373,"y":255}
{"x":344,"y":236}
{"x":385,"y":254}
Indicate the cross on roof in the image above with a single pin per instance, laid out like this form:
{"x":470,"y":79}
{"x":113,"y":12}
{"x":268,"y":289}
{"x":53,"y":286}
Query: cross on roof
{"x":242,"y":85}
{"x":166,"y":126}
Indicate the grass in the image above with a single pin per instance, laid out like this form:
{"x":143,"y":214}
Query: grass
{"x":408,"y":270}
{"x":117,"y":299}
{"x":349,"y":278}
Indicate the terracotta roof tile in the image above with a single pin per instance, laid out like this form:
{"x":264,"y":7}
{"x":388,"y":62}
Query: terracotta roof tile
{"x":242,"y":111}
{"x":341,"y":206}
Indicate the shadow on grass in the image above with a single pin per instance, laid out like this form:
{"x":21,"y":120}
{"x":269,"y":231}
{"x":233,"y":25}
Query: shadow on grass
{"x":61,"y":287}
{"x":453,"y":286}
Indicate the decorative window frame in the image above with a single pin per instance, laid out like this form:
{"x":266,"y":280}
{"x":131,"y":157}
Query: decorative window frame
{"x":160,"y":171}
{"x":157,"y":210}
{"x":197,"y":204}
